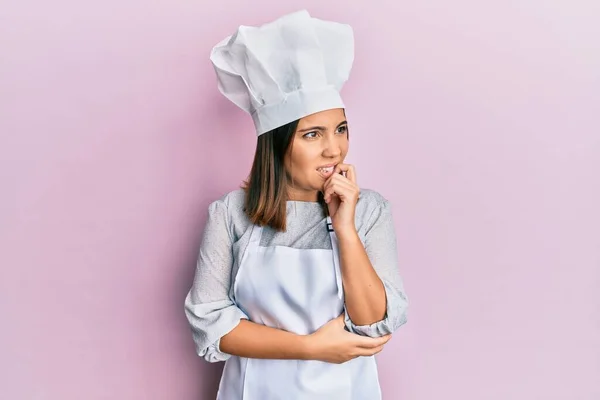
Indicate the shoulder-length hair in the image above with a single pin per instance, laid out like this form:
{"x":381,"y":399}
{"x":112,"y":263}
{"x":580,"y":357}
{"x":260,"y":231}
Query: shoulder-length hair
{"x":267,"y":185}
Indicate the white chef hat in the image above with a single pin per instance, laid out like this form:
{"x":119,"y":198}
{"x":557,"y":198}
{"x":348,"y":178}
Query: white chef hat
{"x":286,"y":69}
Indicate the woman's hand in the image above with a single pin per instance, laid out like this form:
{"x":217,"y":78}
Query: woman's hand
{"x":332,"y":343}
{"x":341,"y":195}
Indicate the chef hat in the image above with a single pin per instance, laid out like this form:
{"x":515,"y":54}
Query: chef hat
{"x":286,"y":69}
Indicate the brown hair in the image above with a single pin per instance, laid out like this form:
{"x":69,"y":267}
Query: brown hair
{"x":266,"y":187}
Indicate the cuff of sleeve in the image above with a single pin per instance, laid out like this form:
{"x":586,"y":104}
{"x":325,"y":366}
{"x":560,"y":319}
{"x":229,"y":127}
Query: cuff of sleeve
{"x":377,"y":329}
{"x":395,"y":316}
{"x":210,"y":322}
{"x":213,"y":352}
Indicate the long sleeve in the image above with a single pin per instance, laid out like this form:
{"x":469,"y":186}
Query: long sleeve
{"x":208,"y":307}
{"x":381,"y":248}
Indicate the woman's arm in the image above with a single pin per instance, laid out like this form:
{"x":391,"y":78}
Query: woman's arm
{"x":221,"y":329}
{"x":253,"y":340}
{"x":363,"y":289}
{"x":330,"y":343}
{"x":376,"y":303}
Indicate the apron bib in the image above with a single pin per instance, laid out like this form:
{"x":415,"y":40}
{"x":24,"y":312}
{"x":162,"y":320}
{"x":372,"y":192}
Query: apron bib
{"x":298,"y":290}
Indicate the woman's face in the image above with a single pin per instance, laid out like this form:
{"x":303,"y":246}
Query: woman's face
{"x":319,"y":144}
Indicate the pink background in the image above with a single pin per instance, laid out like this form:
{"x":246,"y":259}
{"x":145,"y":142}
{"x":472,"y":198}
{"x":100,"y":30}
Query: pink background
{"x":478,"y":120}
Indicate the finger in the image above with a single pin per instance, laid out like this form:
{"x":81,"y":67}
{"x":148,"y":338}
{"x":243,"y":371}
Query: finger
{"x":377,"y":350}
{"x":328,"y":193}
{"x":339,"y":190}
{"x":328,"y":183}
{"x":348,"y":170}
{"x":333,"y":189}
{"x":345,"y":190}
{"x":341,"y":167}
{"x":351,"y":174}
{"x":335,"y":176}
{"x":360,"y":351}
{"x":386,"y":339}
{"x":344,"y":181}
{"x":369,"y":342}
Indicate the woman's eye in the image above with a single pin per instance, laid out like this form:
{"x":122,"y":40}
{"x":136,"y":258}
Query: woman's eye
{"x":343,"y":129}
{"x":310,"y":135}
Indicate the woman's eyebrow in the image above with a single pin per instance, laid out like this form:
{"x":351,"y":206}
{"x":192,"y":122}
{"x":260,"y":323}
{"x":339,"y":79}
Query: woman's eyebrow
{"x":313,"y":128}
{"x":320,"y":128}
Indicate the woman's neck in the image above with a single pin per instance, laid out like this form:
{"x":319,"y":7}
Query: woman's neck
{"x":295,"y":194}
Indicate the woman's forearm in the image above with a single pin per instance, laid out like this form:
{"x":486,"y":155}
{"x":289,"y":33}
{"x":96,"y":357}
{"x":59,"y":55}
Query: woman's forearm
{"x":363,"y":290}
{"x":252,"y":340}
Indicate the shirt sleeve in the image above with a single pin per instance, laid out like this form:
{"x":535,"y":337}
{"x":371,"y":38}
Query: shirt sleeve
{"x":380,"y":245}
{"x":209,"y":309}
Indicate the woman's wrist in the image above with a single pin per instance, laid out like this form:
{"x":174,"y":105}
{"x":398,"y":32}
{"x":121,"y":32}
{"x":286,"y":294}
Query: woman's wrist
{"x":307,"y":347}
{"x":347,"y":234}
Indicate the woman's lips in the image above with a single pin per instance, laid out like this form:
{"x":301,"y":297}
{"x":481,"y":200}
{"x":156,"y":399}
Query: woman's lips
{"x":326,"y":172}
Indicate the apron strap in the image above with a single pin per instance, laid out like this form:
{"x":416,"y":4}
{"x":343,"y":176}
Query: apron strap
{"x":336,"y":258}
{"x":254,"y":241}
{"x":255,"y":236}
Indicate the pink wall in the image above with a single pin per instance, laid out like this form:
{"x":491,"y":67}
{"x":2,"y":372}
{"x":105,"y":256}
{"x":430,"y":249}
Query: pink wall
{"x":478,"y":121}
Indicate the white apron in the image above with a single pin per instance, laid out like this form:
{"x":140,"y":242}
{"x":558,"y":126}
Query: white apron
{"x":298,"y":291}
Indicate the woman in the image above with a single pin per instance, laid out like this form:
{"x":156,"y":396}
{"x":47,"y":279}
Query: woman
{"x":297,"y":284}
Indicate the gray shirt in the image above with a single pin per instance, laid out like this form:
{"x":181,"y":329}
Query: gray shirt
{"x":209,"y":307}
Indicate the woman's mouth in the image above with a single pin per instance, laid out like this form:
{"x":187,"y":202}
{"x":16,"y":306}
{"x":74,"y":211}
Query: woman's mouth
{"x":326,"y":172}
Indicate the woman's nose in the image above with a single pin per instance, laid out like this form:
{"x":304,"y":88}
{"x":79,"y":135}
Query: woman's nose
{"x":332,"y":151}
{"x":332,"y":148}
